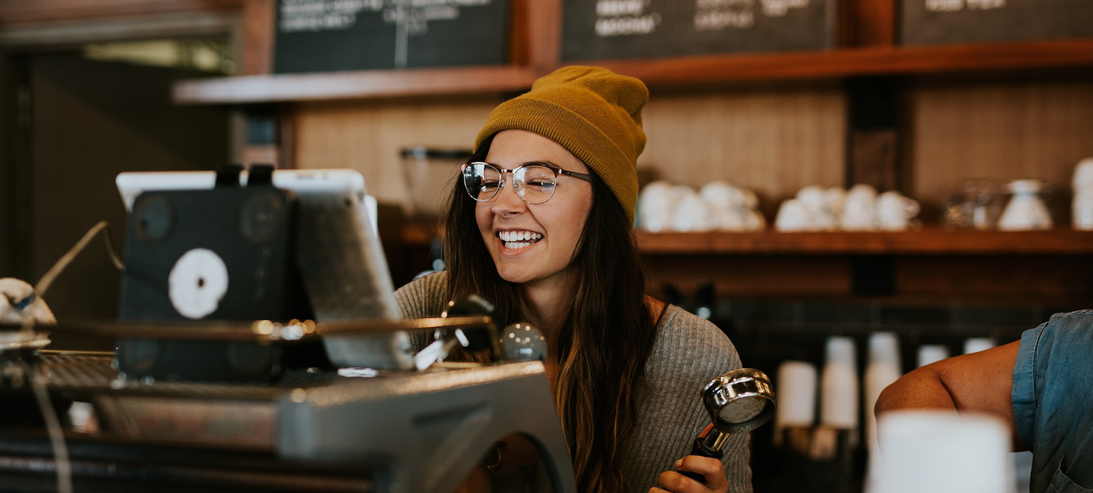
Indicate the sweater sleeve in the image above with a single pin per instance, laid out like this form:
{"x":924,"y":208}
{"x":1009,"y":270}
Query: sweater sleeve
{"x":689,"y":352}
{"x":423,"y":297}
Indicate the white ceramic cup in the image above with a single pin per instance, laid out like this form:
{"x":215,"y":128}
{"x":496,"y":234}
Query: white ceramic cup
{"x":1083,"y":175}
{"x":692,"y":213}
{"x":1082,"y":212}
{"x":657,"y":205}
{"x":859,"y":209}
{"x":894,"y":211}
{"x":1026,"y":210}
{"x":792,"y":216}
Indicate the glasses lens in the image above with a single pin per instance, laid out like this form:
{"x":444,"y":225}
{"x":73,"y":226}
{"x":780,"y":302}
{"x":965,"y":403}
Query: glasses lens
{"x":536,"y":184}
{"x":481,"y":180}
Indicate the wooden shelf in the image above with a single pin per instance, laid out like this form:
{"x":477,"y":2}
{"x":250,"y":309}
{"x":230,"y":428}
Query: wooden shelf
{"x":372,"y":84}
{"x":929,"y":241}
{"x":852,"y":62}
{"x":664,"y":72}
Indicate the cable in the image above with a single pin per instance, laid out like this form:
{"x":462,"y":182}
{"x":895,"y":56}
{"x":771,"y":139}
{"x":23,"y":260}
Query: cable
{"x":62,"y":263}
{"x":53,"y":429}
{"x":49,"y":414}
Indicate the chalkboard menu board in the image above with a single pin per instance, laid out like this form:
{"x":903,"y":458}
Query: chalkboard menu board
{"x":606,"y":29}
{"x":332,"y":35}
{"x":971,"y":21}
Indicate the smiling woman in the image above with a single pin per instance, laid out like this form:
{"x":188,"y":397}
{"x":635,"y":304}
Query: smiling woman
{"x":541,"y":224}
{"x":542,"y":265}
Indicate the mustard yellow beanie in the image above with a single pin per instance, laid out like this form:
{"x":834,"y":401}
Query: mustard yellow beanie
{"x":592,"y":112}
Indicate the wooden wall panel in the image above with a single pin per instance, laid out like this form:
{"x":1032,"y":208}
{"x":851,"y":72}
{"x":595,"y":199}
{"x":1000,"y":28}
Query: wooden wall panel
{"x":774,"y":142}
{"x":867,"y":22}
{"x":259,"y":17}
{"x":745,"y":276}
{"x":368,"y":136}
{"x":1001,"y":132}
{"x":1054,"y":280}
{"x":44,"y":11}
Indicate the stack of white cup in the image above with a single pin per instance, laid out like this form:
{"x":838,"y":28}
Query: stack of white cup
{"x":796,"y":397}
{"x":943,"y":452}
{"x":883,"y":369}
{"x":839,"y":386}
{"x":1083,"y":195}
{"x":977,"y":344}
{"x":931,"y":353}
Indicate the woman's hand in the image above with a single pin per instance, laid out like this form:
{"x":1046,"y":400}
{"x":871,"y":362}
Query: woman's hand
{"x":711,"y":469}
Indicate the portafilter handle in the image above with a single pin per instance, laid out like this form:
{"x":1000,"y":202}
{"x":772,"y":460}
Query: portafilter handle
{"x":737,"y":401}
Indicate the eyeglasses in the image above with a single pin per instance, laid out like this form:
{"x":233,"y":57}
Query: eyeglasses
{"x":533,"y":182}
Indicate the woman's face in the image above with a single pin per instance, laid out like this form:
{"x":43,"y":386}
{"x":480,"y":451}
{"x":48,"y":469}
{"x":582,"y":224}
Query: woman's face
{"x":553,"y":228}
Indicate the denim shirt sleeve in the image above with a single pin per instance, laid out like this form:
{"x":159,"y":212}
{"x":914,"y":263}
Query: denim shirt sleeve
{"x":1024,"y":384}
{"x":1053,"y":400}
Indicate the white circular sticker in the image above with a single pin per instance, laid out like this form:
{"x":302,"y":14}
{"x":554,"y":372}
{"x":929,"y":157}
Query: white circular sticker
{"x":197,"y":283}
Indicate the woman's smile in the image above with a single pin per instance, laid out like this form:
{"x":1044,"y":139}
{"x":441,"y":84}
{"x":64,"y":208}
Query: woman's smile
{"x":516,"y":241}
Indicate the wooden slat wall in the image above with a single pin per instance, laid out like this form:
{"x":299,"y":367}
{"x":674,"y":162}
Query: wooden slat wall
{"x":867,"y":22}
{"x":368,"y":136}
{"x":999,"y":131}
{"x":45,"y":11}
{"x":772,"y":141}
{"x":259,"y":17}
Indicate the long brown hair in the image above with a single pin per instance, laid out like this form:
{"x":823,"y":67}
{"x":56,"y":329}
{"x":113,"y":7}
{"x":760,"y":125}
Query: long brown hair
{"x":604,"y":341}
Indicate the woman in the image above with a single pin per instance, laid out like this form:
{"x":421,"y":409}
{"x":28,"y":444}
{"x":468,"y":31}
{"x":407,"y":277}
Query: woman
{"x":540,"y":223}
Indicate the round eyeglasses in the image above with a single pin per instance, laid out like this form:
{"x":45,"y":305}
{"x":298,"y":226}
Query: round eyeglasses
{"x":533,"y":182}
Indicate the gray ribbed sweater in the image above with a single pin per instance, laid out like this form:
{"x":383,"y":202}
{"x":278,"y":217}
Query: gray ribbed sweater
{"x":689,"y":351}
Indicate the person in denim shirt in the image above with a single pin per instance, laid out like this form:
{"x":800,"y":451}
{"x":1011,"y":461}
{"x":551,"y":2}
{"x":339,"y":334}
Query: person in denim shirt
{"x":1041,"y":385}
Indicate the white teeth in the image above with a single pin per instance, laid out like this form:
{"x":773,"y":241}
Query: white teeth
{"x":522,"y":236}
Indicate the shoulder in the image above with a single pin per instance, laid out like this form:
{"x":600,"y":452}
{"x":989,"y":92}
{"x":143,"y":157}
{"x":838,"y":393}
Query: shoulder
{"x":1065,"y":335}
{"x":688,"y":341}
{"x":423,"y":297}
{"x":1072,"y":325}
{"x":1052,"y":359}
{"x":689,"y":351}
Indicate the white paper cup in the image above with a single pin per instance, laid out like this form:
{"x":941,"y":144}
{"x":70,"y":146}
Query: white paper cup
{"x":931,"y":353}
{"x":839,"y":385}
{"x":883,"y":369}
{"x":796,"y":394}
{"x":943,"y":452}
{"x":977,"y":344}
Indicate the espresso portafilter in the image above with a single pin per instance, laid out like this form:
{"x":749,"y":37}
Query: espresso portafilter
{"x":738,"y":401}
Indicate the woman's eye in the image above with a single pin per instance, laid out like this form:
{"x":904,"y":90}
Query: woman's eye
{"x":489,"y":185}
{"x":541,"y":184}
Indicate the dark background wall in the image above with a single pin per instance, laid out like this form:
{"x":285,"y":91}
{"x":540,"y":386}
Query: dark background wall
{"x":90,"y":121}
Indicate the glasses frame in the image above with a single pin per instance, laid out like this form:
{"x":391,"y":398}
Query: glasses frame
{"x":519,"y":192}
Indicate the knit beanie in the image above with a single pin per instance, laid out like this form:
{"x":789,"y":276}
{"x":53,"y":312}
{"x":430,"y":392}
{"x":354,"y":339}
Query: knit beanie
{"x":592,"y":112}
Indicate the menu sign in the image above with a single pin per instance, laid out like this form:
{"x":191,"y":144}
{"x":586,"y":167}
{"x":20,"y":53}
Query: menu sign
{"x":970,"y":21}
{"x":606,"y":29}
{"x":331,"y":35}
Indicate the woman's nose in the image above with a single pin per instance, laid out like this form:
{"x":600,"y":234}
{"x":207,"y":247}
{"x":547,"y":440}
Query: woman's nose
{"x":507,"y":201}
